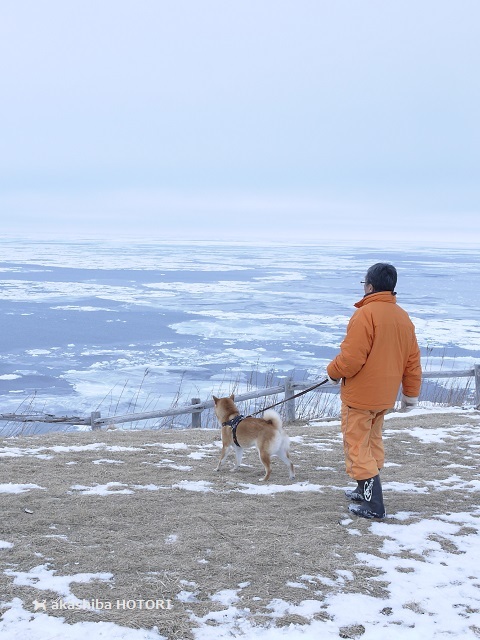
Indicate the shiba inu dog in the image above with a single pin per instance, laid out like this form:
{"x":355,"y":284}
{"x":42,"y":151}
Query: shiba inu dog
{"x":265,"y":433}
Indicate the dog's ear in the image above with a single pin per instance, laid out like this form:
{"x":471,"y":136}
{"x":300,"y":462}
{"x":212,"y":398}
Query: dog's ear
{"x":232,"y":396}
{"x":215,"y":399}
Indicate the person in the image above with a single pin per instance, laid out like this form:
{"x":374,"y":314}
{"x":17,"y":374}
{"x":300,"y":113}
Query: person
{"x":378,"y":354}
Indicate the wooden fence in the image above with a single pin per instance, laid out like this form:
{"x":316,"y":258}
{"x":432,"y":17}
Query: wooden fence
{"x":196,"y":407}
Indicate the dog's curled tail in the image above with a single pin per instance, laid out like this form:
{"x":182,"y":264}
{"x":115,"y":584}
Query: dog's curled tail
{"x":272,"y":416}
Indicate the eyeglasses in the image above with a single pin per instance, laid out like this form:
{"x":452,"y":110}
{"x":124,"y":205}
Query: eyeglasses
{"x":363,"y":282}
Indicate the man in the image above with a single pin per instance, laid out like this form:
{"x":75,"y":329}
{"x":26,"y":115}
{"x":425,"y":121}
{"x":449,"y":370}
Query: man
{"x":379,"y":353}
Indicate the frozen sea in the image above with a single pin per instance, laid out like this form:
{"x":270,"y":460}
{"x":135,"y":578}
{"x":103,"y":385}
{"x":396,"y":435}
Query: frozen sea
{"x":116,"y":326}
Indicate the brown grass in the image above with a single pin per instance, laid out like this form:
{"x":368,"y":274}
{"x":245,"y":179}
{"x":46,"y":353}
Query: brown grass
{"x":158,"y":543}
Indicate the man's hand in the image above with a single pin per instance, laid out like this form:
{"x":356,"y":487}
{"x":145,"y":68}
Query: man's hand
{"x":333,"y":380}
{"x":408,"y":403}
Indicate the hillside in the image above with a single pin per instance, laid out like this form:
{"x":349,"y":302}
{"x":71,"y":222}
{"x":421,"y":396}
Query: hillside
{"x":132,"y":518}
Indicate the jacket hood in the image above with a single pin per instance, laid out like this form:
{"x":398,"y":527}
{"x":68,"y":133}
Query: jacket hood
{"x":379,"y":296}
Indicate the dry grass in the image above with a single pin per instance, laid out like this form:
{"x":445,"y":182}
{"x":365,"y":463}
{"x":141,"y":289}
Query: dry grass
{"x":159,"y":543}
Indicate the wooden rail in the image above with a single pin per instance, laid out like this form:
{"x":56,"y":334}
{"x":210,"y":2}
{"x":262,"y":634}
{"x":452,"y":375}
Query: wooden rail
{"x":196,"y":407}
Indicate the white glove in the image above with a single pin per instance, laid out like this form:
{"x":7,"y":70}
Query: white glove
{"x":408,"y":403}
{"x":333,"y":380}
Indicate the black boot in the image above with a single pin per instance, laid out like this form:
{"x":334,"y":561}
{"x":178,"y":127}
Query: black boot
{"x":372,"y":504}
{"x":356,"y":494}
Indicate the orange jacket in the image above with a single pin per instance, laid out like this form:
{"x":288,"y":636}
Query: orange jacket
{"x":379,"y":353}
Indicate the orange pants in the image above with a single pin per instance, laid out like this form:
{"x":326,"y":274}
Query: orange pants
{"x":362,"y":442}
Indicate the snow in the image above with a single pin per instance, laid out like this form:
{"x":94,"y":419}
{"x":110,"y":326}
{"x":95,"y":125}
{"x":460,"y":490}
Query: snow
{"x":5,"y":545}
{"x":403,"y":487}
{"x":171,"y":539}
{"x":287,"y":314}
{"x":225,"y":596}
{"x":108,"y":489}
{"x":17,"y":488}
{"x":442,"y":583}
{"x":199,"y":485}
{"x":19,"y":624}
{"x":112,"y":488}
{"x":45,"y":579}
{"x":429,"y":568}
{"x":36,"y":452}
{"x":268,"y":489}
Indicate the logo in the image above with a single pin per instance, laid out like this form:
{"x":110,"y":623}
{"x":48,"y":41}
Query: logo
{"x":368,"y":489}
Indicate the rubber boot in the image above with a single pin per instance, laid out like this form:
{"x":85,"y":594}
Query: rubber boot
{"x":372,"y":504}
{"x":356,"y":494}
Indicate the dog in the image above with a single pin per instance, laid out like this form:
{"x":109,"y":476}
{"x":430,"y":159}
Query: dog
{"x":265,"y":433}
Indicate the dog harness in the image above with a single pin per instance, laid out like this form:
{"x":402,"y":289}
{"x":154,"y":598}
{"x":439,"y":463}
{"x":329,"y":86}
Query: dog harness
{"x":234,"y":422}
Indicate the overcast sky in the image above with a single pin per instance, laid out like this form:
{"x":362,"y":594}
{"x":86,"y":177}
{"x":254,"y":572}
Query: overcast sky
{"x":241,"y":119}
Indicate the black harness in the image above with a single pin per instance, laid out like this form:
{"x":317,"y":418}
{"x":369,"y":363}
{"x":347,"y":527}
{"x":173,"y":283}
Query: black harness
{"x":234,"y":422}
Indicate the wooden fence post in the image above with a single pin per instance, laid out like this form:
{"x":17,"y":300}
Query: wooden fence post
{"x":289,"y":401}
{"x":96,"y":422}
{"x":477,"y":385}
{"x":196,"y":415}
{"x":94,"y":416}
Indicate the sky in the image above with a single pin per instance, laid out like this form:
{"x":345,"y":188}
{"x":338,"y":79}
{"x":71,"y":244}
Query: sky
{"x":305,"y":120}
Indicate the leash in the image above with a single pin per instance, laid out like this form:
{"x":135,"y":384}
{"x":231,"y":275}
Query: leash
{"x":297,"y":395}
{"x":234,"y":422}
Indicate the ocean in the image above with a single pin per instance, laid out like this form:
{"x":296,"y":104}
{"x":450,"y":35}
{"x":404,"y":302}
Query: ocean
{"x":121,"y":326}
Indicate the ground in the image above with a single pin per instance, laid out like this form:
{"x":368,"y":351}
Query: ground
{"x":140,"y":519}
